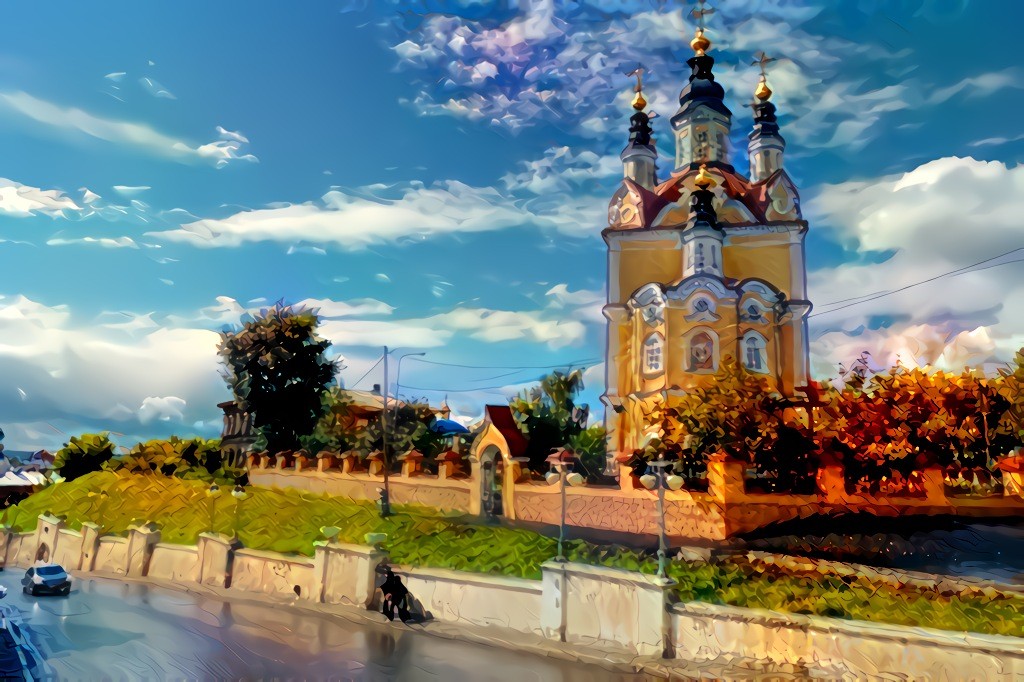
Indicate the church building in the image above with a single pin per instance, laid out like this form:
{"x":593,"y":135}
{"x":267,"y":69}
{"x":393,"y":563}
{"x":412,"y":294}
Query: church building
{"x":704,"y":264}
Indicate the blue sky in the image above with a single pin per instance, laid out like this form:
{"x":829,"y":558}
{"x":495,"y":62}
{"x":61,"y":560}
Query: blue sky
{"x":435,"y":175}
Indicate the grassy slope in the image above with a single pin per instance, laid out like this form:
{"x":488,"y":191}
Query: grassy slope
{"x":289,"y":521}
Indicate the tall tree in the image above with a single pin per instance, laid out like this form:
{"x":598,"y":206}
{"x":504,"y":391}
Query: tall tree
{"x":277,"y":368}
{"x":548,"y":416}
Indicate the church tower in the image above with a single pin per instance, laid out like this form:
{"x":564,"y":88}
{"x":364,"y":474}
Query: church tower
{"x":706,"y":265}
{"x":702,"y":122}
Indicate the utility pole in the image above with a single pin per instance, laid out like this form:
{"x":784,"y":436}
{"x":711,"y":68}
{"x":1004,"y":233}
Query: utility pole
{"x":385,"y":500}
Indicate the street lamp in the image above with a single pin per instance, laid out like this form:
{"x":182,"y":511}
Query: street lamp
{"x":239,"y":494}
{"x":561,"y":464}
{"x":657,"y":477}
{"x":385,"y":501}
{"x":212,"y":492}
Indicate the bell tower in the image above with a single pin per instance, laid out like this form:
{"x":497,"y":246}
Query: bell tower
{"x":702,"y":122}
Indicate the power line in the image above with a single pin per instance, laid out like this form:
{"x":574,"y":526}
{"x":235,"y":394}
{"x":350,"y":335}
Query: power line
{"x":451,"y":390}
{"x":958,"y":271}
{"x":560,"y":364}
{"x":379,"y":360}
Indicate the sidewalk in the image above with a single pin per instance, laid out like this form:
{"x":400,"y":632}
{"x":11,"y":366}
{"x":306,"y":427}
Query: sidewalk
{"x":616,"y":661}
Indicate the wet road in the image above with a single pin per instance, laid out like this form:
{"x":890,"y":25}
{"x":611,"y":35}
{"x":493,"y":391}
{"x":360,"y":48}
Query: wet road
{"x":113,"y":631}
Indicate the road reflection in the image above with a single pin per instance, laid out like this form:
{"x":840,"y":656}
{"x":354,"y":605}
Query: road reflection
{"x":118,"y":631}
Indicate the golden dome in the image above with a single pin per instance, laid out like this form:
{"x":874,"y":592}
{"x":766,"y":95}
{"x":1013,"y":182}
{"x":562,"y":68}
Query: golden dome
{"x":639,"y":102}
{"x":704,"y":179}
{"x":700,"y":43}
{"x":763,"y":92}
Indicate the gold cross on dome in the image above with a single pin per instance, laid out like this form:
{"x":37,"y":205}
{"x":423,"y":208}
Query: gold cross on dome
{"x":639,"y":73}
{"x":700,"y":12}
{"x":762,"y":60}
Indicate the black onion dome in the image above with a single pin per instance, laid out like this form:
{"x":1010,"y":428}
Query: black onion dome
{"x":765,"y":122}
{"x":702,"y":210}
{"x":701,"y":89}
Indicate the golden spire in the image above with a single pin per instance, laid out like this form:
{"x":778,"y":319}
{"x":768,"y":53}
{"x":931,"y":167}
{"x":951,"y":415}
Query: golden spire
{"x":704,"y":180}
{"x":763,"y":92}
{"x":700,"y":42}
{"x":638,"y":100}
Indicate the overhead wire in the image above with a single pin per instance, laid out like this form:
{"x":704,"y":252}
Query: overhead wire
{"x":958,"y":271}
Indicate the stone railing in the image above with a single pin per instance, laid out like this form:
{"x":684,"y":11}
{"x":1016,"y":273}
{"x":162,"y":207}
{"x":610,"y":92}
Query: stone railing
{"x":725,"y":509}
{"x":604,"y":611}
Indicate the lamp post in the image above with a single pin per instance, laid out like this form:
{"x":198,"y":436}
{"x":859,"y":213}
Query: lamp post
{"x":385,"y":502}
{"x":561,"y":464}
{"x":658,"y":477}
{"x":239,"y":494}
{"x":212,"y":493}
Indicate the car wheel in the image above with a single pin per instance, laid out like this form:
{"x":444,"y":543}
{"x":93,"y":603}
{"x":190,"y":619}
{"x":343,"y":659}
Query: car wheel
{"x":34,"y":590}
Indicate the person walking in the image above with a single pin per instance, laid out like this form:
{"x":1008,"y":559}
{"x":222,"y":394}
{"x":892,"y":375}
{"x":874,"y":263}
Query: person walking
{"x":396,"y":596}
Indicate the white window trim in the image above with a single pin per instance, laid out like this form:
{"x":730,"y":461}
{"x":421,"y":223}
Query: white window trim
{"x":765,"y":361}
{"x":715,"y":350}
{"x":658,"y":341}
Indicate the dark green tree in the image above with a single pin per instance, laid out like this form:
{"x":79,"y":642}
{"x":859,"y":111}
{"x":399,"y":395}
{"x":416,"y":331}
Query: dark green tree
{"x":83,"y":455}
{"x":548,"y":416}
{"x":278,"y":370}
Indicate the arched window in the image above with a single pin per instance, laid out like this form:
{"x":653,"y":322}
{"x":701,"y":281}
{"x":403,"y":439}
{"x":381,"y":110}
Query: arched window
{"x":700,"y":258}
{"x":755,"y":353}
{"x":654,"y":349}
{"x":701,"y":355}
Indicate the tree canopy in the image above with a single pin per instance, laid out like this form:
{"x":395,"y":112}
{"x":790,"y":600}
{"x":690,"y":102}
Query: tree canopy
{"x":277,"y":368}
{"x":548,"y":416}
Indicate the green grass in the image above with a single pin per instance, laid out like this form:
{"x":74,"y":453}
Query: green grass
{"x":289,"y":521}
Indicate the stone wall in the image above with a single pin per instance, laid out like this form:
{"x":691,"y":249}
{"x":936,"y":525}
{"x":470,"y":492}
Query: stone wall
{"x":68,"y":550}
{"x":174,"y":562}
{"x":606,"y":607}
{"x":272,"y":573}
{"x":603,"y":608}
{"x":112,"y":555}
{"x":727,"y":509}
{"x":841,"y":649}
{"x":428,"y":491}
{"x":687,"y":515}
{"x":473,"y":599}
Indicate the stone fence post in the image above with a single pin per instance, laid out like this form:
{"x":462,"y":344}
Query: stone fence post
{"x":47,"y":533}
{"x":606,"y":607}
{"x":725,"y":480}
{"x":934,"y":482}
{"x":140,"y":548}
{"x":831,"y":480}
{"x":345,"y":574}
{"x":216,"y":554}
{"x":5,"y":542}
{"x":90,"y":546}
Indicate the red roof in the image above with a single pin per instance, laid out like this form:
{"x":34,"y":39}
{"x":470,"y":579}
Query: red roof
{"x":753,"y":195}
{"x":501,"y":417}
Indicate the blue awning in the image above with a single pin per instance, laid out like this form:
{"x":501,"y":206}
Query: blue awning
{"x":447,"y":427}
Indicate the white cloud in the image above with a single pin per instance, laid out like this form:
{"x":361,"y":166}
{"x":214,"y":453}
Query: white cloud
{"x":941,"y":217}
{"x":356,"y":219}
{"x":20,"y":201}
{"x":162,"y":409}
{"x":77,"y":122}
{"x":105,"y":242}
{"x":82,"y":376}
{"x":129,"y":190}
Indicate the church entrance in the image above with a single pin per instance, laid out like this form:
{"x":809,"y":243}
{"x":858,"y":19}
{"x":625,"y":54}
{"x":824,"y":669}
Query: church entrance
{"x":491,"y":472}
{"x":43,"y":553}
